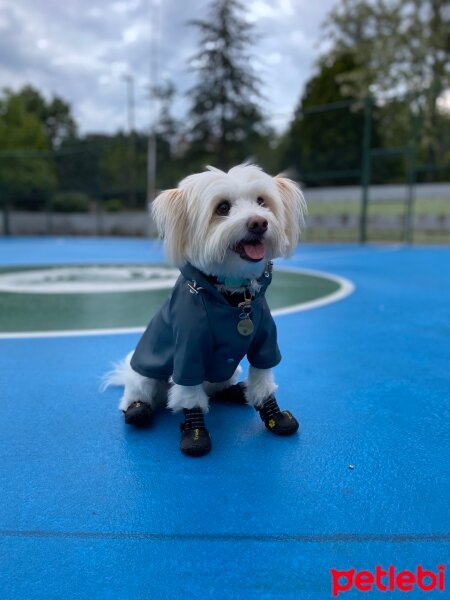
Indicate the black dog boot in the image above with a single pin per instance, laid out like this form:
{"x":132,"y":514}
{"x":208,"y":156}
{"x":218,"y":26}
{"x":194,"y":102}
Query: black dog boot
{"x":139,"y":414}
{"x":277,"y":422}
{"x":235,"y":394}
{"x":195,"y":439}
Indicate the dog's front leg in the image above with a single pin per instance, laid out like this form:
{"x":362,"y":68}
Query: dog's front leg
{"x":260,"y":391}
{"x":260,"y":385}
{"x":193,"y":401}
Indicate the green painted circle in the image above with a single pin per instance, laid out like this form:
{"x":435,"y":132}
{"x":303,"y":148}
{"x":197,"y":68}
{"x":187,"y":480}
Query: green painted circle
{"x":28,"y":312}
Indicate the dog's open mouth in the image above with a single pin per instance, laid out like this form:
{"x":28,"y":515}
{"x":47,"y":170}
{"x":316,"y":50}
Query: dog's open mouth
{"x":251,"y":250}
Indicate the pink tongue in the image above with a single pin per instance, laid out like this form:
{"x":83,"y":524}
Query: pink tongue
{"x":255,"y":251}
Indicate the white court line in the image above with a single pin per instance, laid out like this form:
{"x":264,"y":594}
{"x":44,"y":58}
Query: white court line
{"x":69,"y":279}
{"x":346,"y":288}
{"x":69,"y":333}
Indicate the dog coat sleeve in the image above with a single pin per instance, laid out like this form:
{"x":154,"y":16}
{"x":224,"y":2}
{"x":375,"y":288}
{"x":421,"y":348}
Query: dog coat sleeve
{"x":264,"y":352}
{"x":192,"y":338}
{"x":178,"y":341}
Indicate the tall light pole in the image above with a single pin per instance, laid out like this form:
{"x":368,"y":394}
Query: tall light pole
{"x":151,"y":154}
{"x":132,"y":154}
{"x":130,"y":101}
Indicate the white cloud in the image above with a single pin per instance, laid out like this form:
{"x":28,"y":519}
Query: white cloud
{"x":95,"y":12}
{"x":287,"y":7}
{"x":80,"y":50}
{"x":42,"y":43}
{"x":300,"y":39}
{"x":274,"y":58}
{"x":262,"y":10}
{"x":123,"y":8}
{"x":135,"y":32}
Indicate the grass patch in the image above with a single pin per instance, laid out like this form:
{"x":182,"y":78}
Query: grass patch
{"x":422,"y":206}
{"x":352,"y":235}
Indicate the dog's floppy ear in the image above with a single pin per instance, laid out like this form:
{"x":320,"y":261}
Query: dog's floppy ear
{"x":294,"y":209}
{"x":169,"y":211}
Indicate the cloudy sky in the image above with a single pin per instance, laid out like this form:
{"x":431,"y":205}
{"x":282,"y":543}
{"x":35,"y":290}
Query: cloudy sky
{"x":81,"y":50}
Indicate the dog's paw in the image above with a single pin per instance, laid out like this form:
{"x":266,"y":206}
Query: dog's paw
{"x":283,"y":423}
{"x":276,"y":421}
{"x":195,"y":441}
{"x":139,"y":414}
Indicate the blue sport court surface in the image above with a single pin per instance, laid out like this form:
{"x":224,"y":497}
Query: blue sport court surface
{"x":91,"y":508}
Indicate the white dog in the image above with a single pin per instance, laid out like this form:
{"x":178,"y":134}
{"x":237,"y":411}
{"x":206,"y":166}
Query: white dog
{"x":222,"y":230}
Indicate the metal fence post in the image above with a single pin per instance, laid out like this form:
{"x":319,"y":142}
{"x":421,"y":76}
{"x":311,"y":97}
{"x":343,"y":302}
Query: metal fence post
{"x":6,"y":215}
{"x":412,"y":180}
{"x":98,"y":211}
{"x":366,"y":168}
{"x":48,"y":210}
{"x":408,"y":232}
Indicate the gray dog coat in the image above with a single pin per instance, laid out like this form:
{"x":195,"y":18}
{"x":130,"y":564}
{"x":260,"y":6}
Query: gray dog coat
{"x":194,"y":336}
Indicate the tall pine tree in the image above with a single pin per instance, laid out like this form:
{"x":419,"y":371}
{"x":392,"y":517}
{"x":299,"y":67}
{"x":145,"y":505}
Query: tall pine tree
{"x":225,"y":121}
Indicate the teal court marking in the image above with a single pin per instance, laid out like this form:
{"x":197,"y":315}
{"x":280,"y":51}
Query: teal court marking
{"x":101,"y":299}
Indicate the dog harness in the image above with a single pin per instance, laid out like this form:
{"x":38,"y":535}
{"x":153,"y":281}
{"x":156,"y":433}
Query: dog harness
{"x":198,"y":335}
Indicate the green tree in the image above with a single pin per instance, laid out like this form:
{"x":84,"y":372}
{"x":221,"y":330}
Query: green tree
{"x":399,"y":47}
{"x":324,"y":147}
{"x":55,"y":115}
{"x":98,"y":165}
{"x":36,"y":129}
{"x":27,"y":174}
{"x":225,"y":121}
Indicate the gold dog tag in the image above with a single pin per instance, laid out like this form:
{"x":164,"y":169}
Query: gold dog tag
{"x":245,"y":327}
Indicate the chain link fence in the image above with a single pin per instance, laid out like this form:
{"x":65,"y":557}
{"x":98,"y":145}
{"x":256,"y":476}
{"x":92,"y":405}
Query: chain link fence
{"x":88,"y":188}
{"x":370,"y":171}
{"x":375,"y":171}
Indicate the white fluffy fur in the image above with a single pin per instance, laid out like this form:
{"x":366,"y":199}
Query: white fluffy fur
{"x":260,"y":385}
{"x":136,"y":387}
{"x":192,"y":396}
{"x":157,"y":393}
{"x":211,"y":388}
{"x":192,"y":231}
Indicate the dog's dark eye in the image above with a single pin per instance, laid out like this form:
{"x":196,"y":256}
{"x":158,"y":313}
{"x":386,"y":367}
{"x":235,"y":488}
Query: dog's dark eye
{"x":223,"y":208}
{"x":260,"y":201}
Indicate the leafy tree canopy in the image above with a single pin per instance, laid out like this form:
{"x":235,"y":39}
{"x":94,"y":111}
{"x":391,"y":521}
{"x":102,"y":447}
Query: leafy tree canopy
{"x":23,"y":171}
{"x":55,"y":114}
{"x":324,"y":147}
{"x":399,"y":47}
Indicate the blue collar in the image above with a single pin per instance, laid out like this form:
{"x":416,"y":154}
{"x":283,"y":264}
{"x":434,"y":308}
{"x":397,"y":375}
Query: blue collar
{"x":191,"y":273}
{"x":233,"y":282}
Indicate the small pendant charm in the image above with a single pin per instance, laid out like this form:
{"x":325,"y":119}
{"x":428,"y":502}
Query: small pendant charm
{"x":245,"y":327}
{"x":269,"y":269}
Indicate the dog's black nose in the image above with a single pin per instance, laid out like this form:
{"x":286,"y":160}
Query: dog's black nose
{"x":257,"y":225}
